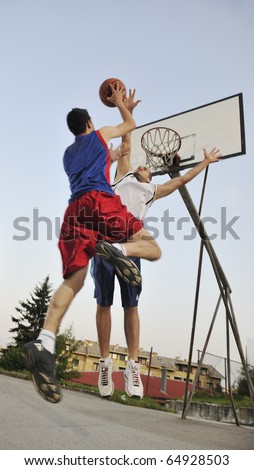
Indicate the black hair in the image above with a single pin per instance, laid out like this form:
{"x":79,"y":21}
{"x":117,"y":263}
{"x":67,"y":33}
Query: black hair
{"x":77,"y":120}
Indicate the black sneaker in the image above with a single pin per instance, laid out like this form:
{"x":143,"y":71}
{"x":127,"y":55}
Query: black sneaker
{"x":125,"y":267}
{"x":42,"y":365}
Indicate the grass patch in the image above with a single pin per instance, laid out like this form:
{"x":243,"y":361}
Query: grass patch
{"x":202,"y":397}
{"x":79,"y":386}
{"x":146,"y":402}
{"x":119,"y":396}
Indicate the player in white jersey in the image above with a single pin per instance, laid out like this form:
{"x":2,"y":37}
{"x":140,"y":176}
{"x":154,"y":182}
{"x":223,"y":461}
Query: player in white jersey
{"x":138,"y":193}
{"x":136,"y":196}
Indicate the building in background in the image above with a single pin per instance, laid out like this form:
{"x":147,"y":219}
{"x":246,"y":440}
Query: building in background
{"x":86,"y":359}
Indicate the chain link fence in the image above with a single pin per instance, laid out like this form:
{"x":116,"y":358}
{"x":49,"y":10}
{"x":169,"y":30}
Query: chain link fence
{"x":220,"y":364}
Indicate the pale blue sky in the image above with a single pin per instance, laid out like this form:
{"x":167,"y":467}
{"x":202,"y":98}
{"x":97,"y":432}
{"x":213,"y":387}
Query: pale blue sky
{"x":178,"y":54}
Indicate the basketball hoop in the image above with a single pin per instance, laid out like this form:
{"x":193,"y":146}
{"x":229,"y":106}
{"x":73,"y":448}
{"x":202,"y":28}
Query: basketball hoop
{"x":161,"y":145}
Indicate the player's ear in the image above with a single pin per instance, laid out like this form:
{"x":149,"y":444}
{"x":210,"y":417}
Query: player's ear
{"x":89,"y":124}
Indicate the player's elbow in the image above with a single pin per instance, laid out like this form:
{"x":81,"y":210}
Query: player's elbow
{"x":132,"y":125}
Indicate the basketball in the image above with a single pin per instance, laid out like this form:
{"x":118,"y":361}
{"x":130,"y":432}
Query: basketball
{"x":105,"y":90}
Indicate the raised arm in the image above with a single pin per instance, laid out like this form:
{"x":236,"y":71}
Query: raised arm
{"x":170,"y":186}
{"x":128,"y":124}
{"x":124,"y":159}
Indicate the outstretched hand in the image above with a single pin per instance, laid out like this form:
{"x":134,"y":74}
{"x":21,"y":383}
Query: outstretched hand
{"x":212,"y":156}
{"x":129,"y":101}
{"x":119,"y":152}
{"x":118,"y":94}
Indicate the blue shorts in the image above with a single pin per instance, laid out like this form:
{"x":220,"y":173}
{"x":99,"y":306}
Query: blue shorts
{"x":103,"y":274}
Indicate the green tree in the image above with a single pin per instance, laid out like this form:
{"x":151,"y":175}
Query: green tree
{"x":66,"y":345}
{"x":32,"y":313}
{"x":242,"y":387}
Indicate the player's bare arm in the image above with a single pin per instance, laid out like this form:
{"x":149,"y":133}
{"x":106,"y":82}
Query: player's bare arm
{"x":128,"y":124}
{"x":124,"y":163}
{"x":176,"y":183}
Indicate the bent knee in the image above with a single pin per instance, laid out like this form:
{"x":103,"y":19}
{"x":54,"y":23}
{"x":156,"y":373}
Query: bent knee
{"x":156,"y":252}
{"x":76,"y":280}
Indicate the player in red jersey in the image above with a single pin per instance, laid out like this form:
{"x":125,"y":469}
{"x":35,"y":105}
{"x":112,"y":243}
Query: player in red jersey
{"x":94,"y":217}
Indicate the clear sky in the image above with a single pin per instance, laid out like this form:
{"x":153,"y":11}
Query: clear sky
{"x":178,"y":54}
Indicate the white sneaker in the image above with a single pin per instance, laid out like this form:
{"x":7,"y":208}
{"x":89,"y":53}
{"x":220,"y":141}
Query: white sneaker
{"x":133,"y":383}
{"x":105,"y":383}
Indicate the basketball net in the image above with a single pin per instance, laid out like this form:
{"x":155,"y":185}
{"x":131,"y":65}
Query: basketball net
{"x":161,"y":145}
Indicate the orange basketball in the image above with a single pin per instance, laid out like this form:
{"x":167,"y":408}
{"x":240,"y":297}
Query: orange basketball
{"x":105,"y":90}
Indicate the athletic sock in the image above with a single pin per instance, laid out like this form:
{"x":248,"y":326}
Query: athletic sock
{"x":133,"y":362}
{"x":120,"y":248}
{"x":48,"y":340}
{"x":106,"y":360}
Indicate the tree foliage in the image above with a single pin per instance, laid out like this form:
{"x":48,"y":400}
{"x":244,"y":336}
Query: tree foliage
{"x":242,"y":387}
{"x":29,"y":322}
{"x":31,"y":314}
{"x":66,"y":345}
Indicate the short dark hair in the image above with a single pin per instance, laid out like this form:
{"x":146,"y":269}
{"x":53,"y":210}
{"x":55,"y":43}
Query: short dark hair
{"x":77,"y":120}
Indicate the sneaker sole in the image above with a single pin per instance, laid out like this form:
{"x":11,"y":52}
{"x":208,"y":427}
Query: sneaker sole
{"x":124,"y":267}
{"x":47,"y":388}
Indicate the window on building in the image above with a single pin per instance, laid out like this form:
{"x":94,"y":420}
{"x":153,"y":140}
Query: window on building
{"x":182,"y":367}
{"x":114,"y":356}
{"x":178,"y":378}
{"x":75,"y":362}
{"x":122,"y":357}
{"x":95,"y":366}
{"x":142,"y":360}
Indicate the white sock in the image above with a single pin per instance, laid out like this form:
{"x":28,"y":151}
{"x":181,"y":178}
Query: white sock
{"x":120,"y":248}
{"x":132,"y":362}
{"x":106,"y":360}
{"x":48,"y":340}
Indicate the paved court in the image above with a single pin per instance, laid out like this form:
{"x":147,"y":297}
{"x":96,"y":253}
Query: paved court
{"x":82,"y":421}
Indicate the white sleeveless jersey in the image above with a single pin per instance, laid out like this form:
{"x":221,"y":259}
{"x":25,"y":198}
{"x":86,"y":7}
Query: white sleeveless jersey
{"x":136,"y":196}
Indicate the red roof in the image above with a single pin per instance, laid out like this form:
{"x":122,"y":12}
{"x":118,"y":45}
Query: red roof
{"x":152,"y":384}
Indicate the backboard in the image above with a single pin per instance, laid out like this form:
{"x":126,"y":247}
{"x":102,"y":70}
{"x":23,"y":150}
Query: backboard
{"x":218,"y":124}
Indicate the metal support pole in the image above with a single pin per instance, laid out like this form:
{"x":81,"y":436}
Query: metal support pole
{"x":195,"y":381}
{"x":149,"y":370}
{"x":201,"y":230}
{"x":222,"y":281}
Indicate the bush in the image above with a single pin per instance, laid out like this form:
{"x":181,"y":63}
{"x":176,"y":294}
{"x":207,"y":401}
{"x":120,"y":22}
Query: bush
{"x":12,"y":360}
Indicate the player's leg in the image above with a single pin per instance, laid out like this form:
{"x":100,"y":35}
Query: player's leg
{"x":132,"y":378}
{"x":130,"y":298}
{"x":142,"y":245}
{"x":62,"y":299}
{"x":132,"y":329}
{"x":38,"y":355}
{"x":103,"y":275}
{"x":103,"y":323}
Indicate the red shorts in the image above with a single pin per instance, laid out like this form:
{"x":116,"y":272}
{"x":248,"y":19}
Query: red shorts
{"x":91,"y":217}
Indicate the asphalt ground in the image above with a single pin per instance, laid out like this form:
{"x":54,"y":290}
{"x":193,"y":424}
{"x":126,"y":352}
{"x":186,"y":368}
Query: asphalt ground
{"x":82,"y":421}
